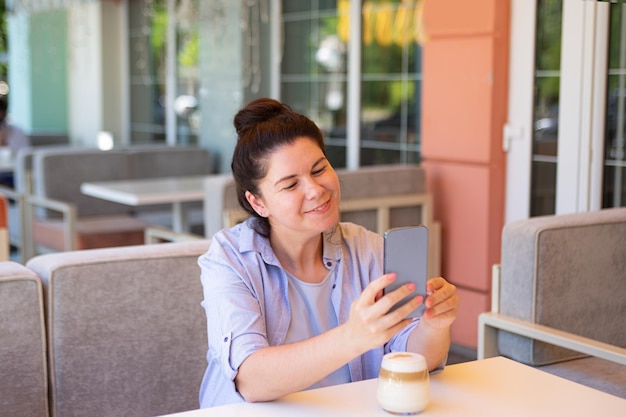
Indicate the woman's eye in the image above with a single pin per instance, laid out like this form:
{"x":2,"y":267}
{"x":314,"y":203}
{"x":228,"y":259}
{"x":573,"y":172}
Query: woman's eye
{"x":319,"y":171}
{"x":290,"y":186}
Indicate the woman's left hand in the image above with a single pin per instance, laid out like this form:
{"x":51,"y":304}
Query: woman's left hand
{"x":442,"y":303}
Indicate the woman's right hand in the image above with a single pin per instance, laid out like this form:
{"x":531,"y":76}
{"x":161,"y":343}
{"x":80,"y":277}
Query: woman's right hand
{"x":370,"y":323}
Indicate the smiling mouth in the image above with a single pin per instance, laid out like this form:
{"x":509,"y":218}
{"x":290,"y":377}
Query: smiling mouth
{"x":320,"y":208}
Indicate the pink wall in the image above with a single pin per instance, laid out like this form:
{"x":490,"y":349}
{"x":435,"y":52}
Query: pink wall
{"x":464,"y":106}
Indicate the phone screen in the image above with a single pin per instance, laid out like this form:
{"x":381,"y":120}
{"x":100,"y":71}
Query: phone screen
{"x":406,"y":254}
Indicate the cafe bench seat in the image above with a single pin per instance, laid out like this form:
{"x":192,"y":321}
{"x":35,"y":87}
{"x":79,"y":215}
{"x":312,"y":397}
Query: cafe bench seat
{"x":558,"y":298}
{"x":60,"y":217}
{"x":23,"y":364}
{"x":92,"y":232}
{"x":126,"y":331}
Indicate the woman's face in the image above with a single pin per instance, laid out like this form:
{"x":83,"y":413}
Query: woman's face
{"x":300,"y":192}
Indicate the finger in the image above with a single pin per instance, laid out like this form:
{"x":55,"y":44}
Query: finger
{"x":445,"y":308}
{"x":394,"y":321}
{"x":435,"y":284}
{"x":441,"y":294}
{"x":440,"y":320}
{"x":403,"y":311}
{"x":374,"y":291}
{"x":378,"y":285}
{"x":390,"y":299}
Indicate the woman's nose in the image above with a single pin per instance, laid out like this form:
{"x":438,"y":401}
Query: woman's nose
{"x":313,"y":188}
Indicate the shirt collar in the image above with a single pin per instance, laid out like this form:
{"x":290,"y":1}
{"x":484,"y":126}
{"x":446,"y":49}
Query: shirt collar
{"x":252,"y":241}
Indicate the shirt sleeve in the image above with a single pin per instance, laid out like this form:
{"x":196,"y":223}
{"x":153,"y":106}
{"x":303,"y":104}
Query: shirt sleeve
{"x":235,"y":323}
{"x":399,"y":343}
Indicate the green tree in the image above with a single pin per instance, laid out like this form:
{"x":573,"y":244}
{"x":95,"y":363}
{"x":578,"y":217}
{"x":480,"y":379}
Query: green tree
{"x":3,"y":41}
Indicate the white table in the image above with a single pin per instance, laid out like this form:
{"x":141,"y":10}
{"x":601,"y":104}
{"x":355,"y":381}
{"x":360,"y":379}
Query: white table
{"x":173,"y":190}
{"x":495,"y":387}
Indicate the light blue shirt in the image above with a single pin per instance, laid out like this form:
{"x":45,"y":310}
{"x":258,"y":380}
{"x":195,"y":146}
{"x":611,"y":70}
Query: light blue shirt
{"x":246,"y":300}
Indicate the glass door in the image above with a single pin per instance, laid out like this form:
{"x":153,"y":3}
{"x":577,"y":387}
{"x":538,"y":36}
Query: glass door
{"x":565,"y":131}
{"x":614,"y":166}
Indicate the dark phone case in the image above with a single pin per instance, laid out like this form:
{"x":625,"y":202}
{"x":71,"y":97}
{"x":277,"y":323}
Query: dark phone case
{"x":406,"y":254}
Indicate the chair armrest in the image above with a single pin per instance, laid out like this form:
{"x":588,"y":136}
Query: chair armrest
{"x":69,"y":216}
{"x":490,"y":323}
{"x":156,"y":234}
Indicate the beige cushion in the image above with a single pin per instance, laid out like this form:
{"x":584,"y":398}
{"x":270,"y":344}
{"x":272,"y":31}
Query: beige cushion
{"x":23,"y":373}
{"x":127,"y":334}
{"x":566,"y":272}
{"x":382,"y":181}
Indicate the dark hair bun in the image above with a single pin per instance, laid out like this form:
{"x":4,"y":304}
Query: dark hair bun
{"x":257,"y":111}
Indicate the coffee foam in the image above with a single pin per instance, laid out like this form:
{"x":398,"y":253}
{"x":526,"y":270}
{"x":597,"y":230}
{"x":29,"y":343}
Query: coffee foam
{"x":404,"y":362}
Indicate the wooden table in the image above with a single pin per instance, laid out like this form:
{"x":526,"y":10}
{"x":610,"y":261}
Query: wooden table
{"x":171,"y":190}
{"x":495,"y":387}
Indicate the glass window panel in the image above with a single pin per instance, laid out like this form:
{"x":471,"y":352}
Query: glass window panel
{"x":147,"y":28}
{"x":614,"y":185}
{"x":148,"y":20}
{"x":389,"y":111}
{"x":308,"y":6}
{"x":313,"y":69}
{"x":390,"y":89}
{"x":300,"y":50}
{"x":546,"y":115}
{"x":546,"y":108}
{"x":390,"y":37}
{"x":187,"y":74}
{"x":314,"y":78}
{"x":542,"y":184}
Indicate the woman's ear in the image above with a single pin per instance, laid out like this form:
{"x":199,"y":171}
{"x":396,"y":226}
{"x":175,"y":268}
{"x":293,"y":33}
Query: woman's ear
{"x":256,"y":204}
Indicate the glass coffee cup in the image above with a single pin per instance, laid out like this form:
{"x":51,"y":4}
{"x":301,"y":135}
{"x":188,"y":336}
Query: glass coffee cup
{"x":403,"y":383}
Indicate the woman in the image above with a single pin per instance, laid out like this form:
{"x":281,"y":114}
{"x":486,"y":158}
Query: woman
{"x":294,"y":299}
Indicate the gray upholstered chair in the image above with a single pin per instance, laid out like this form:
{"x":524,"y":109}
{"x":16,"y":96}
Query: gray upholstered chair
{"x":126,"y":331}
{"x":62,"y":218}
{"x":23,"y":364}
{"x":558,"y":298}
{"x":23,"y":187}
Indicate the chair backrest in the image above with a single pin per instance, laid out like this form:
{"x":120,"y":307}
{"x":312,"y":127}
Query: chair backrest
{"x":58,"y":174}
{"x":168,"y":161}
{"x":364,"y":189}
{"x":22,"y":170}
{"x":23,"y":364}
{"x":220,"y":202}
{"x":126,"y":331}
{"x":567,"y":272}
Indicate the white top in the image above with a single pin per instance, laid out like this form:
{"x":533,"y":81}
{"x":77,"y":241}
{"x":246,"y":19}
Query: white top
{"x":312,"y":313}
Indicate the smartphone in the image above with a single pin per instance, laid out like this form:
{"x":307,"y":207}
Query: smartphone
{"x":406,"y":254}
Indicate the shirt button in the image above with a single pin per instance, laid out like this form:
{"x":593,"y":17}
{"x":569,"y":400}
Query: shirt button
{"x":329,"y":264}
{"x":226,"y":339}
